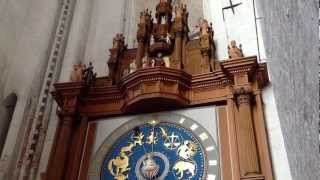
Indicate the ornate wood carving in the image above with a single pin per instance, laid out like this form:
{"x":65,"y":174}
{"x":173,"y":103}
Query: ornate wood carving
{"x":138,"y":82}
{"x":68,"y":100}
{"x":160,"y":88}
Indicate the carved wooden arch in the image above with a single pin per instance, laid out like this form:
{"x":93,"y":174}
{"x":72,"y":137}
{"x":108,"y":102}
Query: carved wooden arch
{"x":236,"y":87}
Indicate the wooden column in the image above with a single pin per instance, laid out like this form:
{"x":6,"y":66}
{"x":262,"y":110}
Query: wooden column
{"x":247,"y":147}
{"x":140,"y":51}
{"x":176,"y":63}
{"x":76,"y":149}
{"x":261,"y":135}
{"x":184,"y":51}
{"x":65,"y":135}
{"x":205,"y":61}
{"x":244,"y":135}
{"x":58,"y":165}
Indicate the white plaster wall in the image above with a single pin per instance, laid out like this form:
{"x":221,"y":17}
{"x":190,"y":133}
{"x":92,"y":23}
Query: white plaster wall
{"x":45,"y":155}
{"x":25,"y":34}
{"x":239,"y":26}
{"x":106,"y":21}
{"x":280,"y":161}
{"x":77,"y":40}
{"x":94,"y":25}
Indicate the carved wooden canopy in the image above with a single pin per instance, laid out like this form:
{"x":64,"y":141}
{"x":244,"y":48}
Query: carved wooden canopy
{"x":159,"y":88}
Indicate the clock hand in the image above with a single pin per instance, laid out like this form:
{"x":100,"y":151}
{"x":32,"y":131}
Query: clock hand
{"x":153,"y":136}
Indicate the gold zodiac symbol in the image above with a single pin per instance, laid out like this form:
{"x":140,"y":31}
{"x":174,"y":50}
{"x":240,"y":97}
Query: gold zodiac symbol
{"x":187,"y":150}
{"x":152,"y":138}
{"x":127,"y":149}
{"x":172,"y":141}
{"x":138,"y":139}
{"x":118,"y":166}
{"x":164,"y":133}
{"x":182,"y":166}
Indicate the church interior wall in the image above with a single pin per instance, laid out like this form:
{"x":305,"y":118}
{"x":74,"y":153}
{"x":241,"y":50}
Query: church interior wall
{"x":106,"y":21}
{"x":77,"y":39}
{"x":278,"y":151}
{"x":26,"y":29}
{"x":25,"y":37}
{"x":289,"y":31}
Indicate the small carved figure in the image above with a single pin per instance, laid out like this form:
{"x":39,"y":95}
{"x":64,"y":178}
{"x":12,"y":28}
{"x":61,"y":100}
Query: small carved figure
{"x":153,"y":63}
{"x":204,"y":27}
{"x":234,"y":51}
{"x":163,"y":20}
{"x":179,"y":10}
{"x":133,"y":67}
{"x":168,"y":40}
{"x":145,"y":63}
{"x":77,"y":72}
{"x":125,"y":72}
{"x":152,"y":40}
{"x":89,"y":75}
{"x":159,"y":60}
{"x":115,"y":42}
{"x":166,"y":61}
{"x":142,"y":18}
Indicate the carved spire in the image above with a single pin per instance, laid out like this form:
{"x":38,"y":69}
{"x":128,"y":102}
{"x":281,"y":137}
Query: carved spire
{"x":116,"y":52}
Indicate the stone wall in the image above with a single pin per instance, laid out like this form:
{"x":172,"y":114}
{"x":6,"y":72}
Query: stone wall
{"x":290,"y":31}
{"x":26,"y":29}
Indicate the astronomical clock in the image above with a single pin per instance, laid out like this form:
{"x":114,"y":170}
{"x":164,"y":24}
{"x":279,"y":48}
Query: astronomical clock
{"x":159,"y":146}
{"x":168,"y":109}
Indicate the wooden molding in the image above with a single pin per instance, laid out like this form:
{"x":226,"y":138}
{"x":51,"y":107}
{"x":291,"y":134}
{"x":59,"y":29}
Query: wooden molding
{"x":235,"y":85}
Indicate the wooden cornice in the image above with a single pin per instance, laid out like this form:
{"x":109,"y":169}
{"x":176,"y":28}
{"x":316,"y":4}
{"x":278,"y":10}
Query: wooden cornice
{"x":157,"y":87}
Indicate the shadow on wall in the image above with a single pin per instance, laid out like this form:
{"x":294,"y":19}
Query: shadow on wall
{"x":7,"y":108}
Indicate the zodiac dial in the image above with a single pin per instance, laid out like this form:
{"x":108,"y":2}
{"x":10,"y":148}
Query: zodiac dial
{"x":161,"y":150}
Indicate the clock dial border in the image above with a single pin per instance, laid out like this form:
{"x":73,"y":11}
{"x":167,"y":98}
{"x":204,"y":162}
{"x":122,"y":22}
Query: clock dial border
{"x":209,"y":147}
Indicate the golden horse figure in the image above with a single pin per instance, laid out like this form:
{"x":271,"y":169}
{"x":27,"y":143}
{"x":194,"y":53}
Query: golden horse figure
{"x":118,"y":166}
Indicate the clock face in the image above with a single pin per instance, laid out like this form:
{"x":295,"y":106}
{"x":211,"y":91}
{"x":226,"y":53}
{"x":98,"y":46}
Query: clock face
{"x":163,"y":147}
